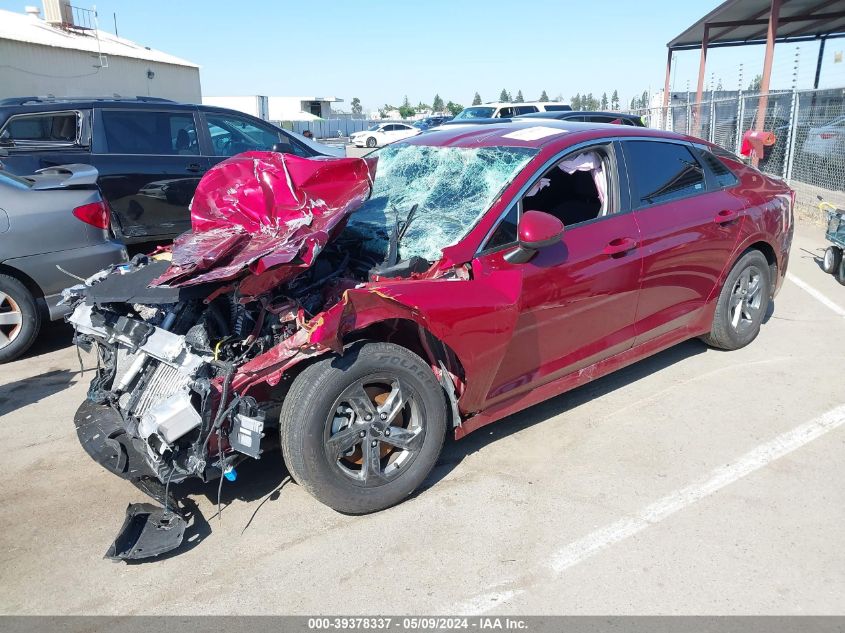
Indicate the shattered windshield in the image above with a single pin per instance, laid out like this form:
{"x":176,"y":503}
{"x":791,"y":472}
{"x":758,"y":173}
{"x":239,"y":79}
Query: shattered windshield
{"x":452,"y":188}
{"x":476,"y":113}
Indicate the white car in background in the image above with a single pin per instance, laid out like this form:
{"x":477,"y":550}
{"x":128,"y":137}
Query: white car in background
{"x":382,"y":134}
{"x":826,"y":141}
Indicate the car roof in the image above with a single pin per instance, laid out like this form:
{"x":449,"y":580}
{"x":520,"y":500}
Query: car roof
{"x":49,"y":104}
{"x":520,"y":132}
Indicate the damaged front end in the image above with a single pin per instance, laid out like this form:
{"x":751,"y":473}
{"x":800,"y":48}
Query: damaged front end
{"x":172,"y":331}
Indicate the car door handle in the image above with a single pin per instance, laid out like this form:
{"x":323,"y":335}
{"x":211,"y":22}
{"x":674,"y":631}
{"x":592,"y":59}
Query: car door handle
{"x":723,"y":217}
{"x":620,"y":246}
{"x":194,"y":168}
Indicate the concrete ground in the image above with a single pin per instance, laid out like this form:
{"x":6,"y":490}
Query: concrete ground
{"x":694,"y":482}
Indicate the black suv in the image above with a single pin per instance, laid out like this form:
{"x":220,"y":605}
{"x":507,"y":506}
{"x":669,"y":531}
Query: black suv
{"x":150,"y":152}
{"x":619,"y":118}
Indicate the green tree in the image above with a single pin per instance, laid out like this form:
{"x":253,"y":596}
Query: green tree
{"x":454,"y":108}
{"x":614,"y":100}
{"x":604,"y":102}
{"x":421,"y":107}
{"x":575,"y":102}
{"x":644,"y":100}
{"x":756,"y":83}
{"x":356,"y":106}
{"x":519,"y":97}
{"x":476,"y":100}
{"x":635,"y":103}
{"x":504,"y":97}
{"x":437,"y":104}
{"x":589,"y":102}
{"x":406,"y":110}
{"x":544,"y":97}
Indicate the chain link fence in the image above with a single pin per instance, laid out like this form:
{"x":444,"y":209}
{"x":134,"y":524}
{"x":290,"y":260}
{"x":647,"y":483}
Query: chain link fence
{"x":809,"y":129}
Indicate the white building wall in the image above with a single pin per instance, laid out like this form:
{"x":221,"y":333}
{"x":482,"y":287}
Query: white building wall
{"x":36,"y":70}
{"x":248,"y":105}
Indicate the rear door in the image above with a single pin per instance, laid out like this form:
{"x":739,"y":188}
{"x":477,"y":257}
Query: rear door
{"x":689,"y":221}
{"x":149,"y":163}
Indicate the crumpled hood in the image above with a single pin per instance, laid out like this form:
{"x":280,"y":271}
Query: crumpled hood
{"x":266,"y":213}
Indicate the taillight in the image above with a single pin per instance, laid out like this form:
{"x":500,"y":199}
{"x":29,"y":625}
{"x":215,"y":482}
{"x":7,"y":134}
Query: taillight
{"x":95,"y":214}
{"x":828,"y":135}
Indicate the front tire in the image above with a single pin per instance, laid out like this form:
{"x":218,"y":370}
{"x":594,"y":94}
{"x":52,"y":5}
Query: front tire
{"x":742,"y":303}
{"x":361,"y":432}
{"x":372,"y":142}
{"x":831,"y":259}
{"x":20,"y":319}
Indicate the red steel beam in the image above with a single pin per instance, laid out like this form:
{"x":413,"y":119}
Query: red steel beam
{"x":665,"y":114}
{"x":771,"y":34}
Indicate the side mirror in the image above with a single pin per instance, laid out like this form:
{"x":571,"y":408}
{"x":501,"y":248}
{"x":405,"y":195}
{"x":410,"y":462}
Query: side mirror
{"x":536,"y":230}
{"x":282,"y":148}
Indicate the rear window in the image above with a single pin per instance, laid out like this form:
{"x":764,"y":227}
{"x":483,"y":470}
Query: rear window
{"x":48,"y":128}
{"x":150,"y":132}
{"x":557,"y":108}
{"x":721,"y":174}
{"x":662,"y":172}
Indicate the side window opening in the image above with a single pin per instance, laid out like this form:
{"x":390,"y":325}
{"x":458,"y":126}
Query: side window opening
{"x":574,"y":190}
{"x":51,"y":128}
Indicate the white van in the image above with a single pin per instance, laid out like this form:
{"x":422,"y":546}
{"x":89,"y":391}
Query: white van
{"x":498,"y":110}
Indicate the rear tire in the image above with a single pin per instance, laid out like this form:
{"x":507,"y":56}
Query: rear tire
{"x":742,"y":303}
{"x":20,"y":319}
{"x":361,"y":432}
{"x":831,"y":259}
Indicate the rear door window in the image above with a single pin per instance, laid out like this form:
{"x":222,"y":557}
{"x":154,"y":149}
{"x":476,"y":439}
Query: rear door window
{"x":660,"y":172}
{"x":42,"y":129}
{"x":722,"y":176}
{"x":150,"y":132}
{"x":525,"y":109}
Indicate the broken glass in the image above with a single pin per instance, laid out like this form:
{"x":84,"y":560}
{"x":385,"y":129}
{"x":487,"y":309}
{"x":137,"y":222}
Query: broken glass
{"x":451,"y":186}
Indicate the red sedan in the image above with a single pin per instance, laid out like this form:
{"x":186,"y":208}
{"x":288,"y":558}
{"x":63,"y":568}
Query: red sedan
{"x":440,"y":284}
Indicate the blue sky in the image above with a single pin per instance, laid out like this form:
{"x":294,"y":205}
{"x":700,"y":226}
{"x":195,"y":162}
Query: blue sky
{"x":380,"y":51}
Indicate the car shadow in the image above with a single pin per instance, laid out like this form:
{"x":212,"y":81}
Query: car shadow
{"x":30,"y":390}
{"x":455,"y":451}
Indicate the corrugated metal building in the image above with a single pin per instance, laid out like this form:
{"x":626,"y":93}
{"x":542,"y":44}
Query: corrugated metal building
{"x":278,"y":108}
{"x":64,"y":54}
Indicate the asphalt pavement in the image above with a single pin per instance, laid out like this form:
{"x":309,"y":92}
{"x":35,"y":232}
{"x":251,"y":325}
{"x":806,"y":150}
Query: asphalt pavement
{"x":693,"y":482}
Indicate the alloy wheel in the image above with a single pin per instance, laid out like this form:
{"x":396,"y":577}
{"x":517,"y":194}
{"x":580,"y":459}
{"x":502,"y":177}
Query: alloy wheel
{"x":375,"y":430}
{"x":746,"y":300}
{"x":11,"y":320}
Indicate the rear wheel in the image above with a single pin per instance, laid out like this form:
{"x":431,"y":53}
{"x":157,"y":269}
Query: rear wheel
{"x":371,"y":141}
{"x":20,"y":319}
{"x":840,"y":271}
{"x":361,"y":432}
{"x":831,"y":259}
{"x":742,"y":303}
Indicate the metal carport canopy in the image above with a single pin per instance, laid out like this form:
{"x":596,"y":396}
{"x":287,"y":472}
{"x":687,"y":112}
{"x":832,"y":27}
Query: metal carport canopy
{"x":740,"y":22}
{"x":746,"y":22}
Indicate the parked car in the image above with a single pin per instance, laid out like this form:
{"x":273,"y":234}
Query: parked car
{"x":54,"y":228}
{"x":450,"y":280}
{"x":499,"y":110}
{"x":381,"y":134}
{"x":618,"y":118}
{"x":826,"y":140}
{"x":431,"y":121}
{"x":137,"y":145}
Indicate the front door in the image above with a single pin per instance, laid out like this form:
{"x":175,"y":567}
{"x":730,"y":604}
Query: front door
{"x":150,"y":164}
{"x":578,"y":298}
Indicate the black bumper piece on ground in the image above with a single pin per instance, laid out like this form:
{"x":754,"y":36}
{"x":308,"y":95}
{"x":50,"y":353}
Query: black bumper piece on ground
{"x":148,"y":530}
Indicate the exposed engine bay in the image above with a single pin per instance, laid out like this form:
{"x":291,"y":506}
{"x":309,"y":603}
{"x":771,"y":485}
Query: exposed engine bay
{"x":194,"y":343}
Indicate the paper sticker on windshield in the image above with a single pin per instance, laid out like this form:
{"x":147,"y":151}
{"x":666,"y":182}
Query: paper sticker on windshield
{"x":534,"y":133}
